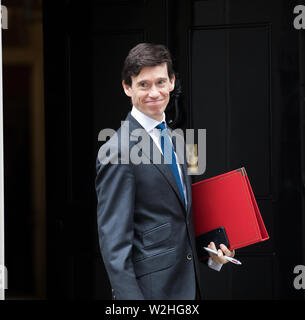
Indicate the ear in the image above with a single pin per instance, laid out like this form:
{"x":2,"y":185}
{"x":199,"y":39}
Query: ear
{"x":127,"y":89}
{"x":172,"y":83}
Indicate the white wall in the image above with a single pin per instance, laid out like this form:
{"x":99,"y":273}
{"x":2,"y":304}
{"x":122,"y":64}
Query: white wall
{"x":2,"y":264}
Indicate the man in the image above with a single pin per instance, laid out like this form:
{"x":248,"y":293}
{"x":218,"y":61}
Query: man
{"x":145,"y":219}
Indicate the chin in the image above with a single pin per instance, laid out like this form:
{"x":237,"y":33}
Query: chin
{"x":158,"y":108}
{"x":157,"y":113}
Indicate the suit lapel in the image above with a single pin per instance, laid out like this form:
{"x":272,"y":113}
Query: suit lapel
{"x":187,"y":179}
{"x":188,"y":185}
{"x":163,"y":168}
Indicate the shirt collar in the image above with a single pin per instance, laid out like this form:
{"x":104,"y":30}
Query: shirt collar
{"x":146,"y":122}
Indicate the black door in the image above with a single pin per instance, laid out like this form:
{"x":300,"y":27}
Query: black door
{"x":239,"y":66}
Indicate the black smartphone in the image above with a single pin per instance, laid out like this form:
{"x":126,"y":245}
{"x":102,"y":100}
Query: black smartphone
{"x":218,"y":236}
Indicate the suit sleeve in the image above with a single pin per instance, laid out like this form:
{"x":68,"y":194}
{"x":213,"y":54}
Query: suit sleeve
{"x":115,"y":187}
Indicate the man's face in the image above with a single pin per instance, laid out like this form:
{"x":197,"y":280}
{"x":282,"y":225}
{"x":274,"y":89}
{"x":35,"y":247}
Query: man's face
{"x":150,"y":90}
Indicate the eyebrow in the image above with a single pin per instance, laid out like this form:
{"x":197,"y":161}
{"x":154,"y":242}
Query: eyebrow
{"x":141,"y":81}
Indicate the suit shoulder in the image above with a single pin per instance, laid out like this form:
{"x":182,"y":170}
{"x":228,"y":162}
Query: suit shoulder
{"x":112,"y":150}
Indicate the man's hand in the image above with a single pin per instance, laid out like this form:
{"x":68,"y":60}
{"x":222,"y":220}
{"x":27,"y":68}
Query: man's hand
{"x":224,"y":251}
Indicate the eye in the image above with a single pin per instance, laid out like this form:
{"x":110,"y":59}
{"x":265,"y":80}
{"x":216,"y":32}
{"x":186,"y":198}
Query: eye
{"x":161,"y":82}
{"x":143,"y":84}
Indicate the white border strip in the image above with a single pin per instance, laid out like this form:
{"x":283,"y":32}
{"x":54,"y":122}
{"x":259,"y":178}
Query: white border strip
{"x":2,"y":268}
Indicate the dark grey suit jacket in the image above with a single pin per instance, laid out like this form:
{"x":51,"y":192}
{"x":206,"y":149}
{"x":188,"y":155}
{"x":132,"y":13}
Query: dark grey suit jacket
{"x":146,"y":234}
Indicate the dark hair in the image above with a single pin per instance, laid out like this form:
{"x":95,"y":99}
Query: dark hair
{"x":146,"y":55}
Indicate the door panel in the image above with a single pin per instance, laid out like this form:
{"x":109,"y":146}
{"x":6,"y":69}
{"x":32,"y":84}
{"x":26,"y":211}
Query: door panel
{"x":85,"y":47}
{"x":239,"y":70}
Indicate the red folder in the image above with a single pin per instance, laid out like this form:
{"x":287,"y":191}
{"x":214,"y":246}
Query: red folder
{"x":227,"y":201}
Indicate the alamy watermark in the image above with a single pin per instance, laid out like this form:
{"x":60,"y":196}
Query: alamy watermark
{"x":135,"y":147}
{"x":3,"y":277}
{"x":299,"y":20}
{"x":299,"y":280}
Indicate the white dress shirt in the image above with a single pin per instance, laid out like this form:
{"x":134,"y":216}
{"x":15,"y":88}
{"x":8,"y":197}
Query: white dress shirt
{"x":149,"y":125}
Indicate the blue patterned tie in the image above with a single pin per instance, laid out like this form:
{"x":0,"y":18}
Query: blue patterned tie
{"x":169,"y":155}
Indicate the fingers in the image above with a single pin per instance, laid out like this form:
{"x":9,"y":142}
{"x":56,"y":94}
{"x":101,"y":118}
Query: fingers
{"x":219,"y":258}
{"x":212,"y":246}
{"x":226,"y":251}
{"x":220,"y":253}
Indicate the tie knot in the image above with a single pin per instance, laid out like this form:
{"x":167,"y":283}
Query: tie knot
{"x":161,"y":126}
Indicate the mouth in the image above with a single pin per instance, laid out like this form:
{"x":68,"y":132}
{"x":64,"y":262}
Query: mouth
{"x":154,"y":101}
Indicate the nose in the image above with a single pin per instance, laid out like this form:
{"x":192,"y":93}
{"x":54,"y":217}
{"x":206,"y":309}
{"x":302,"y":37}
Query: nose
{"x":153,"y":92}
